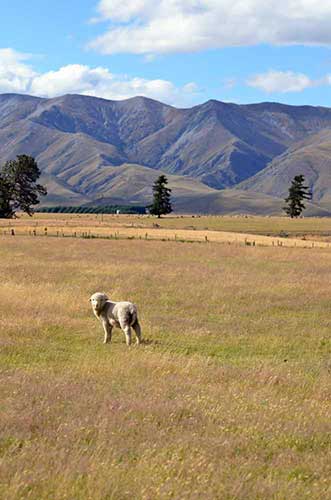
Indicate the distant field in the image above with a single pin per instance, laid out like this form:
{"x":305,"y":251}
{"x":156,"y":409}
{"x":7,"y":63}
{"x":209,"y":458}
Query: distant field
{"x":266,"y":230}
{"x":230,"y":397}
{"x":246,"y":224}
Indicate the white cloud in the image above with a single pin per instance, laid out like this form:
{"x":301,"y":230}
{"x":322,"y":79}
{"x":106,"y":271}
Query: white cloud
{"x":16,"y":75}
{"x":285,"y":81}
{"x":162,"y":26}
{"x":124,"y":11}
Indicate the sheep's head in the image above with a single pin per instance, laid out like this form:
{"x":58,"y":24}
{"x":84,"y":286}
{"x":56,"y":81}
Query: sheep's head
{"x":98,"y":301}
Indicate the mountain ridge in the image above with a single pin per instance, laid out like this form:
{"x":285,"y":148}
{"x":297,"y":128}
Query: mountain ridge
{"x":75,"y":138}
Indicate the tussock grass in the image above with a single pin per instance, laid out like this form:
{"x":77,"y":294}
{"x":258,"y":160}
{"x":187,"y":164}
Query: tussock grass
{"x":229,"y":398}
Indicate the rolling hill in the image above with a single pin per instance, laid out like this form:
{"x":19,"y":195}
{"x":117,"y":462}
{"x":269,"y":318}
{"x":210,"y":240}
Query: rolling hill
{"x":117,"y":185}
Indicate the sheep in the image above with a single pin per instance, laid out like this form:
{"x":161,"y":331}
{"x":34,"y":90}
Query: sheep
{"x":123,"y":315}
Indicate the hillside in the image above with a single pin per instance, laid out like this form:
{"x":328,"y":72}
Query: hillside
{"x":311,"y":157}
{"x":133,"y":183}
{"x":88,"y":148}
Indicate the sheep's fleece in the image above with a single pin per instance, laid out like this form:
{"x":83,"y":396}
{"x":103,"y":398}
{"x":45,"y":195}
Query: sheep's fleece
{"x":123,"y":315}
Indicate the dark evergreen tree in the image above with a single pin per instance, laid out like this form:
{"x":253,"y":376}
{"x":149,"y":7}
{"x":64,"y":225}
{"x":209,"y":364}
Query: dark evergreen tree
{"x":6,"y":210}
{"x":18,"y":187}
{"x":161,"y":197}
{"x":296,"y":194}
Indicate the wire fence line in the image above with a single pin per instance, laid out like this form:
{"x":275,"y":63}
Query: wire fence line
{"x":164,"y":235}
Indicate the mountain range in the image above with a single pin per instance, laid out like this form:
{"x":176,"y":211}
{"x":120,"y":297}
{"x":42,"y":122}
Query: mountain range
{"x":219,"y":157}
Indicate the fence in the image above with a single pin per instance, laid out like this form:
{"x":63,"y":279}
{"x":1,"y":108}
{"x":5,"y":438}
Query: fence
{"x":163,"y":235}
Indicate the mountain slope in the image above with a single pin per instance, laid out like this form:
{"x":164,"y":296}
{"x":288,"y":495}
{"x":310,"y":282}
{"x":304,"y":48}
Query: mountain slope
{"x":80,"y":141}
{"x":131,"y":183}
{"x":117,"y":185}
{"x":310,"y":157}
{"x":236,"y":201}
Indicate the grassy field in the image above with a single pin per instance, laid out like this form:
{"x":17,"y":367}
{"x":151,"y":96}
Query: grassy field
{"x":229,"y":397}
{"x":245,"y":224}
{"x":267,"y":231}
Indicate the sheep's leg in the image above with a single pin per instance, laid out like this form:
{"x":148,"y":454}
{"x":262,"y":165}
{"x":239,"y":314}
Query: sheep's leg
{"x":137,"y":329}
{"x":108,"y":330}
{"x":127,"y":332}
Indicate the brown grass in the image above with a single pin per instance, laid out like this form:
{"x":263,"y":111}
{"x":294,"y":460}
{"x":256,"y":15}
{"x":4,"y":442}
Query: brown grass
{"x":247,"y":224}
{"x":229,"y":398}
{"x":263,"y":231}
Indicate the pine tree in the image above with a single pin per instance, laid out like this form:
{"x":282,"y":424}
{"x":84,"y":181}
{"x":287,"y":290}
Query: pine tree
{"x":18,"y":187}
{"x":296,"y":194}
{"x":161,"y":197}
{"x":6,"y":210}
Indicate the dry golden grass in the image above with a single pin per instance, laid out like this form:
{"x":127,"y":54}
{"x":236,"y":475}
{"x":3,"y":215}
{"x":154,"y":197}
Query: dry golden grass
{"x":230,"y":397}
{"x":263,"y":231}
{"x":247,"y":224}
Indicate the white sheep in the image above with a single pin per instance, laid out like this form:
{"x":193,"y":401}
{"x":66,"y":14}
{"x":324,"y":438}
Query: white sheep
{"x":123,"y":315}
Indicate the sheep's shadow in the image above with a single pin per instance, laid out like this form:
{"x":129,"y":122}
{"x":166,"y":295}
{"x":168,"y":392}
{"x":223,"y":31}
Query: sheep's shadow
{"x":149,"y":342}
{"x":143,"y":342}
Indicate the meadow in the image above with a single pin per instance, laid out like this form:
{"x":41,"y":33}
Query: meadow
{"x":228,"y":398}
{"x":263,"y":231}
{"x":318,"y":226}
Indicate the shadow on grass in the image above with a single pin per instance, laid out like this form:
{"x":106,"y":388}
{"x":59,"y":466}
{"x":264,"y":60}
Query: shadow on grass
{"x":152,"y":342}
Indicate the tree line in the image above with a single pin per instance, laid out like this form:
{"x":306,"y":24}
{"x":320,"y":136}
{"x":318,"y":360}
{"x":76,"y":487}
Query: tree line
{"x":19,"y":190}
{"x":101,"y":209}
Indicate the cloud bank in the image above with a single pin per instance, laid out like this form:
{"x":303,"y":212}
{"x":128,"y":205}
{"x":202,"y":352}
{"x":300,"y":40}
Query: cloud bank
{"x":165,"y":26}
{"x":280,"y":81}
{"x":18,"y":76}
{"x":285,"y":81}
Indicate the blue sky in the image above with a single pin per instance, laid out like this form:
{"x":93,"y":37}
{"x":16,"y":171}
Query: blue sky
{"x":180,"y":52}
